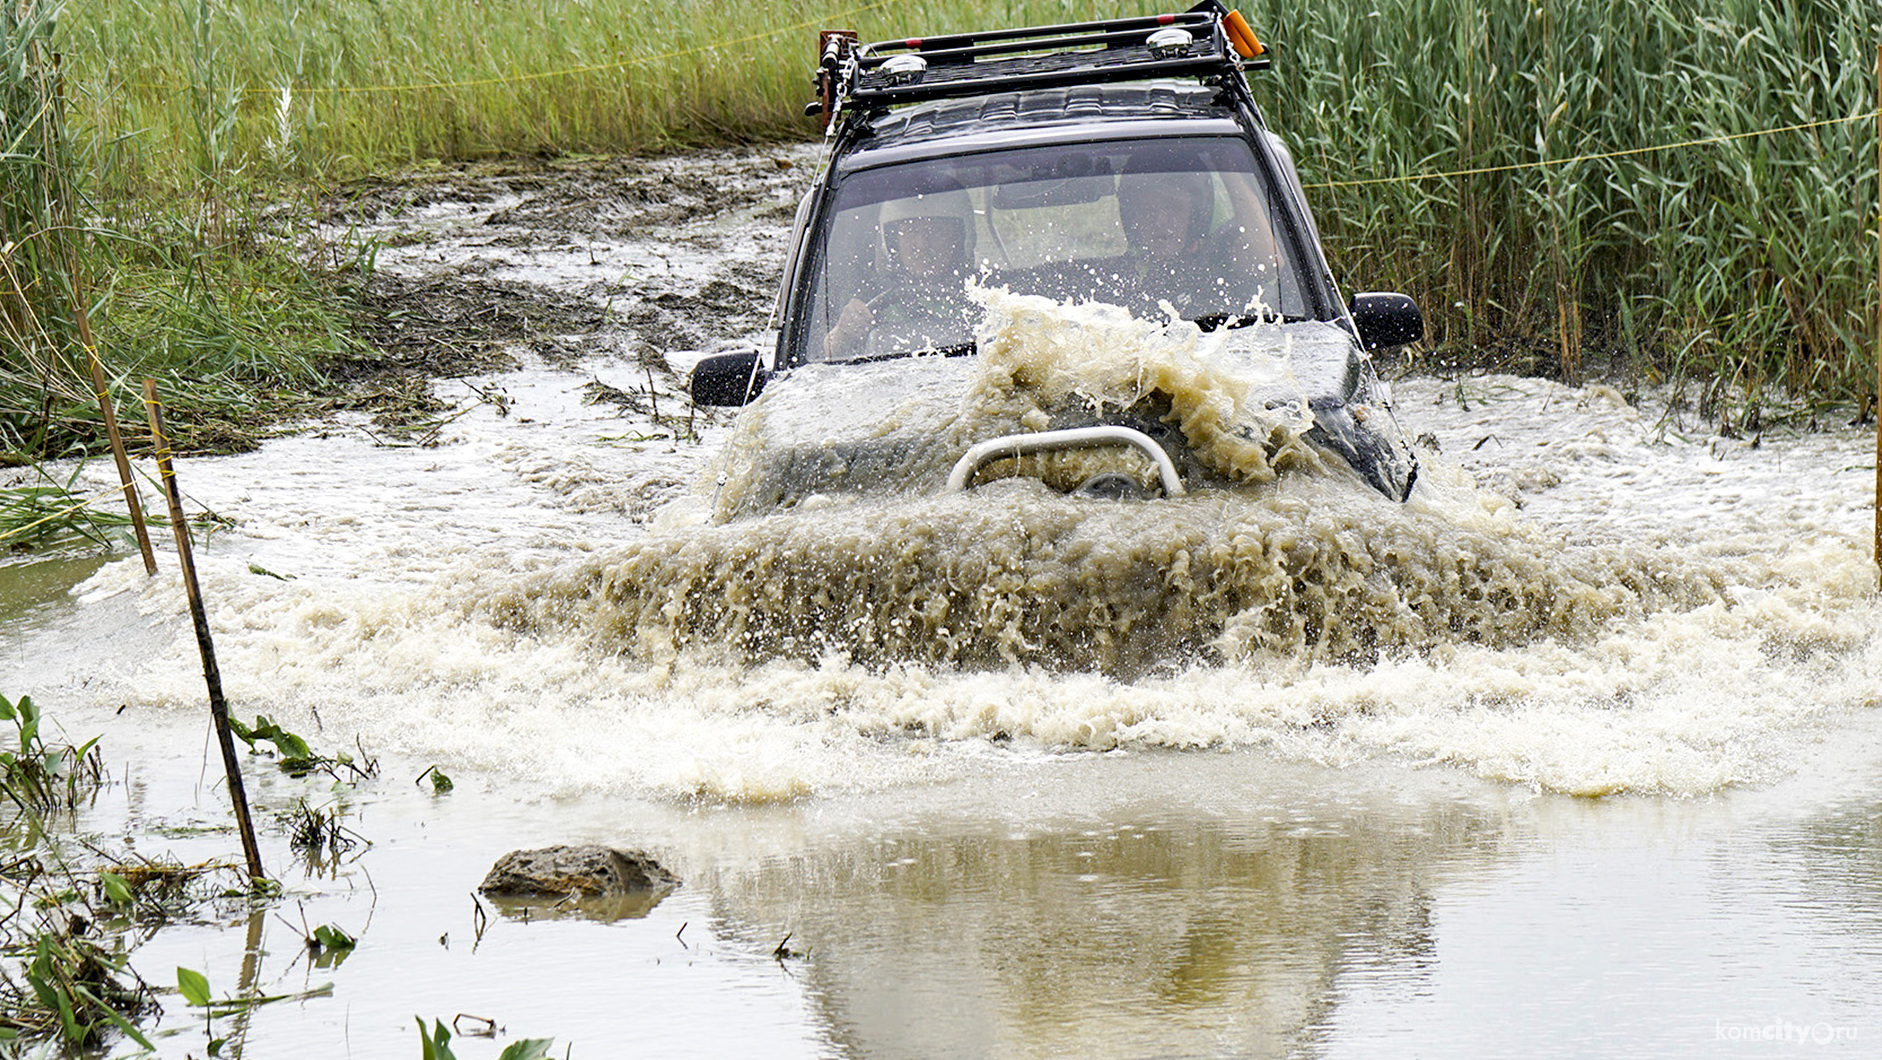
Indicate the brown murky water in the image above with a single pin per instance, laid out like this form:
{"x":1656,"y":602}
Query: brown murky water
{"x":1574,"y":754}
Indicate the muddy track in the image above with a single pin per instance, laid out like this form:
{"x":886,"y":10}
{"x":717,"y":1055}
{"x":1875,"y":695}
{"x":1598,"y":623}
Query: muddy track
{"x":483,"y":266}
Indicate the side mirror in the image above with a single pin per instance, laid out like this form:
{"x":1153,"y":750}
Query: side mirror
{"x":1386,"y":320}
{"x":728,"y":379}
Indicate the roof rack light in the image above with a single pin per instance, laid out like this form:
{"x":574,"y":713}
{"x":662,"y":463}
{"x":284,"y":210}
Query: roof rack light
{"x":1170,"y":43}
{"x":905,"y":69}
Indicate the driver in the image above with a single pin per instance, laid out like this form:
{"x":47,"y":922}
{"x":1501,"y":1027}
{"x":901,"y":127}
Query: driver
{"x":917,"y":301}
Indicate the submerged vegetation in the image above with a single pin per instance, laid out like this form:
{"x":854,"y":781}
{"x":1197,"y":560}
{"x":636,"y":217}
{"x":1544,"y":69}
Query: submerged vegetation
{"x":59,"y":978}
{"x":72,"y":912}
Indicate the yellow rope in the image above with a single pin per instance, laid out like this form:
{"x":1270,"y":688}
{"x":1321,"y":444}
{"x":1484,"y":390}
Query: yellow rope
{"x":573,"y":70}
{"x":1543,"y":163}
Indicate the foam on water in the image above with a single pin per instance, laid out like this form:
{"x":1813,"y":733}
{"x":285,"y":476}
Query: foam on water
{"x":1626,"y":630}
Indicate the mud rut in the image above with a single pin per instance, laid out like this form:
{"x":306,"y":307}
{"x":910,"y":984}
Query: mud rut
{"x":657,"y":261}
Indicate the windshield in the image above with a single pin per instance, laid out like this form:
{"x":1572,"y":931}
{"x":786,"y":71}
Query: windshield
{"x":1182,"y":222}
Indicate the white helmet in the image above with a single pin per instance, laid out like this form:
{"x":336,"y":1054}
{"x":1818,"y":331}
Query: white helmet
{"x":948,"y":204}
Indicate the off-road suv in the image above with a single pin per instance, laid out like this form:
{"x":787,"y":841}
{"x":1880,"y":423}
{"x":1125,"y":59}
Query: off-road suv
{"x":1120,"y":166}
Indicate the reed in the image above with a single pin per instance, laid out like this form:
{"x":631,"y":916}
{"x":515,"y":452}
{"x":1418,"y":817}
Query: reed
{"x":1742,"y":262}
{"x":41,"y":249}
{"x":205,"y":292}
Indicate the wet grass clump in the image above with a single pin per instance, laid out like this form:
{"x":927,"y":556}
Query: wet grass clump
{"x":49,"y":514}
{"x":37,"y":777}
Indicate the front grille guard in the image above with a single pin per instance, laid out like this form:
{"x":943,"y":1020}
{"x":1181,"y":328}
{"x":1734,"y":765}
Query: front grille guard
{"x":1016,"y":445}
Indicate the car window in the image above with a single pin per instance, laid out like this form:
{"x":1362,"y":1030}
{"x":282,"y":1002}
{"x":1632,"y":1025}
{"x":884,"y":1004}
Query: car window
{"x":1186,"y":223}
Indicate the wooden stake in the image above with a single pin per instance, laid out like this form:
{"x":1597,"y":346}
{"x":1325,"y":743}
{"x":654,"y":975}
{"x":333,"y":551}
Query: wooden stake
{"x":218,"y":707}
{"x":79,"y":310}
{"x":131,"y":499}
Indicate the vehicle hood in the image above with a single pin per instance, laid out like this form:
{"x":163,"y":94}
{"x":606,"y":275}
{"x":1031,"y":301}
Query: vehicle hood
{"x":1234,"y":407}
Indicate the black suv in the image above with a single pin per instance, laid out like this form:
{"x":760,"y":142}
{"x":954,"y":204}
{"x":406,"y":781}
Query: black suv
{"x":1120,"y":166}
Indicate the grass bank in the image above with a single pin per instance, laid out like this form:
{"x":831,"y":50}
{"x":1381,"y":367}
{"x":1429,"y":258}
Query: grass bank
{"x":1747,"y":264}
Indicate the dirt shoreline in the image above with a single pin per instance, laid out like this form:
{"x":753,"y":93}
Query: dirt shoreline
{"x":479,"y":267}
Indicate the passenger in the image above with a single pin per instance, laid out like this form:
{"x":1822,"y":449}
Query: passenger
{"x":1174,"y":256}
{"x":1165,"y":217}
{"x":918,"y":301}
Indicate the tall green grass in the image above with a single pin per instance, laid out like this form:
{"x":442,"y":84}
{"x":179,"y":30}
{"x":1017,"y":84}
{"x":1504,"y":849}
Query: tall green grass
{"x":319,"y":88}
{"x":1750,"y":261}
{"x":200,"y":288}
{"x":42,"y":248}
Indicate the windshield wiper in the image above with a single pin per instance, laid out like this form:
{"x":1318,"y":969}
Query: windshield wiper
{"x":960,"y":350}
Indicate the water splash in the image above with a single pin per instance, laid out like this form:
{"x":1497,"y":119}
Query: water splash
{"x":845,"y":545}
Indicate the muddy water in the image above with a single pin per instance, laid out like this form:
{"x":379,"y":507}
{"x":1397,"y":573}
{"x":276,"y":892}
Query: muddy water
{"x":1574,"y":754}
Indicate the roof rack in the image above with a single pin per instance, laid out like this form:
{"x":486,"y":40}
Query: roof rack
{"x":1208,"y":39}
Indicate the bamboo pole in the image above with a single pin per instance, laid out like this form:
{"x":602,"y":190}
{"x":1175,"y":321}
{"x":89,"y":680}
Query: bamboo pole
{"x":218,"y":707}
{"x":53,"y":133}
{"x":131,"y":499}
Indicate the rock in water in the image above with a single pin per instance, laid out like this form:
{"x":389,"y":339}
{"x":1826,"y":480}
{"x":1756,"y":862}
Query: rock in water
{"x":583,"y":870}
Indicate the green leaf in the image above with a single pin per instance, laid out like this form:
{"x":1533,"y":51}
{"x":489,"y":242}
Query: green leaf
{"x":291,"y":748}
{"x":333,"y":938}
{"x":74,"y":1030}
{"x":288,"y":744}
{"x":241,"y":731}
{"x":527,"y":1049}
{"x":38,"y":977}
{"x":117,"y":1019}
{"x":193,"y":986}
{"x":438,"y":1045}
{"x":117,"y":889}
{"x":440,"y":784}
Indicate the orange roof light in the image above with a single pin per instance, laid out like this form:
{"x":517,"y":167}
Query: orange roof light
{"x":1247,"y":45}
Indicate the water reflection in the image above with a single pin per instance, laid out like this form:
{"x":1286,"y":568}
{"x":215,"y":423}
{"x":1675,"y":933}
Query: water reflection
{"x":603,"y":909}
{"x":1162,"y":936}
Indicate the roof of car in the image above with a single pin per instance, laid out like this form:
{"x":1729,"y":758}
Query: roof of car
{"x":1165,"y":107}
